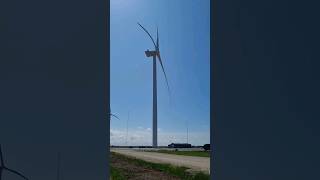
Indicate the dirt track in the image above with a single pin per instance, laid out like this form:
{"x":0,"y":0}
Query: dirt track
{"x":195,"y":163}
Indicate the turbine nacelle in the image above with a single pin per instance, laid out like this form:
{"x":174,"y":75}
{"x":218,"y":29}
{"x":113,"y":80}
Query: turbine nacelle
{"x":151,"y":53}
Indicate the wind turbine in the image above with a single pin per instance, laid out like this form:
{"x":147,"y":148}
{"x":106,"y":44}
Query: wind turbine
{"x":4,"y":167}
{"x":155,"y":54}
{"x":113,"y":115}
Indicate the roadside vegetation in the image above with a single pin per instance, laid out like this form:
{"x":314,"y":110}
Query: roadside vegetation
{"x":123,"y":167}
{"x":117,"y":174}
{"x":186,"y":153}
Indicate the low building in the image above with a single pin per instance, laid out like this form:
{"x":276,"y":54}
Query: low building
{"x":179,"y":145}
{"x":206,"y":147}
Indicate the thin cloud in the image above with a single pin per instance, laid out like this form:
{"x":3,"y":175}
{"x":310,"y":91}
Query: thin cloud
{"x":143,"y":136}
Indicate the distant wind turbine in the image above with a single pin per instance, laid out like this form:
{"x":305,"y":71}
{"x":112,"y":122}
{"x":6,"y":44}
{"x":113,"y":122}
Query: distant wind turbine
{"x":155,"y":54}
{"x":4,"y":167}
{"x":113,"y":115}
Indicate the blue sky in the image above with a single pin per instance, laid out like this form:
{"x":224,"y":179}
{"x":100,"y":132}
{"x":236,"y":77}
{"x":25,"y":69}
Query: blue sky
{"x":184,"y":32}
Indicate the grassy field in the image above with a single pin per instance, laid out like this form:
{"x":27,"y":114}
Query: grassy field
{"x":123,"y":167}
{"x":117,"y":174}
{"x":186,"y":153}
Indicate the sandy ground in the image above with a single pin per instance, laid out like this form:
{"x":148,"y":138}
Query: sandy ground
{"x":195,"y":163}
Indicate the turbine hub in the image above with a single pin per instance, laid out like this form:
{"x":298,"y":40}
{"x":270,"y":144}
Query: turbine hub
{"x":151,"y":53}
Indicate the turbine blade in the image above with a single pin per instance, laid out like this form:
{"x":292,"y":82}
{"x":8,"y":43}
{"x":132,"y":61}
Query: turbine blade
{"x":157,"y":40}
{"x":1,"y":157}
{"x":164,"y":72}
{"x":148,"y":34}
{"x":114,"y":116}
{"x":15,"y":172}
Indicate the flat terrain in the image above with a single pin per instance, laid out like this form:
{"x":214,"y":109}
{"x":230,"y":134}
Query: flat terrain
{"x":124,"y":167}
{"x":192,"y":162}
{"x":186,"y":153}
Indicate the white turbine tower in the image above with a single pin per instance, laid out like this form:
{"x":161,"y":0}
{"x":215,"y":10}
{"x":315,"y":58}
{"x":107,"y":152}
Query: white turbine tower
{"x":155,"y":54}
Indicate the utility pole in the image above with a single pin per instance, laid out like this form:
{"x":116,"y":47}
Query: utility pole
{"x":187,"y":133}
{"x":127,"y":129}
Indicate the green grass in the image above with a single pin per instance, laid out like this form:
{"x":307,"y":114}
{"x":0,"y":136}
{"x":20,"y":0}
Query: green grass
{"x":117,"y":174}
{"x":167,"y":168}
{"x":186,"y":153}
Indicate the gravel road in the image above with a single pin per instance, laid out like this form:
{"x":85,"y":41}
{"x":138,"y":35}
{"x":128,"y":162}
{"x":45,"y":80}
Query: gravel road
{"x":195,"y":163}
